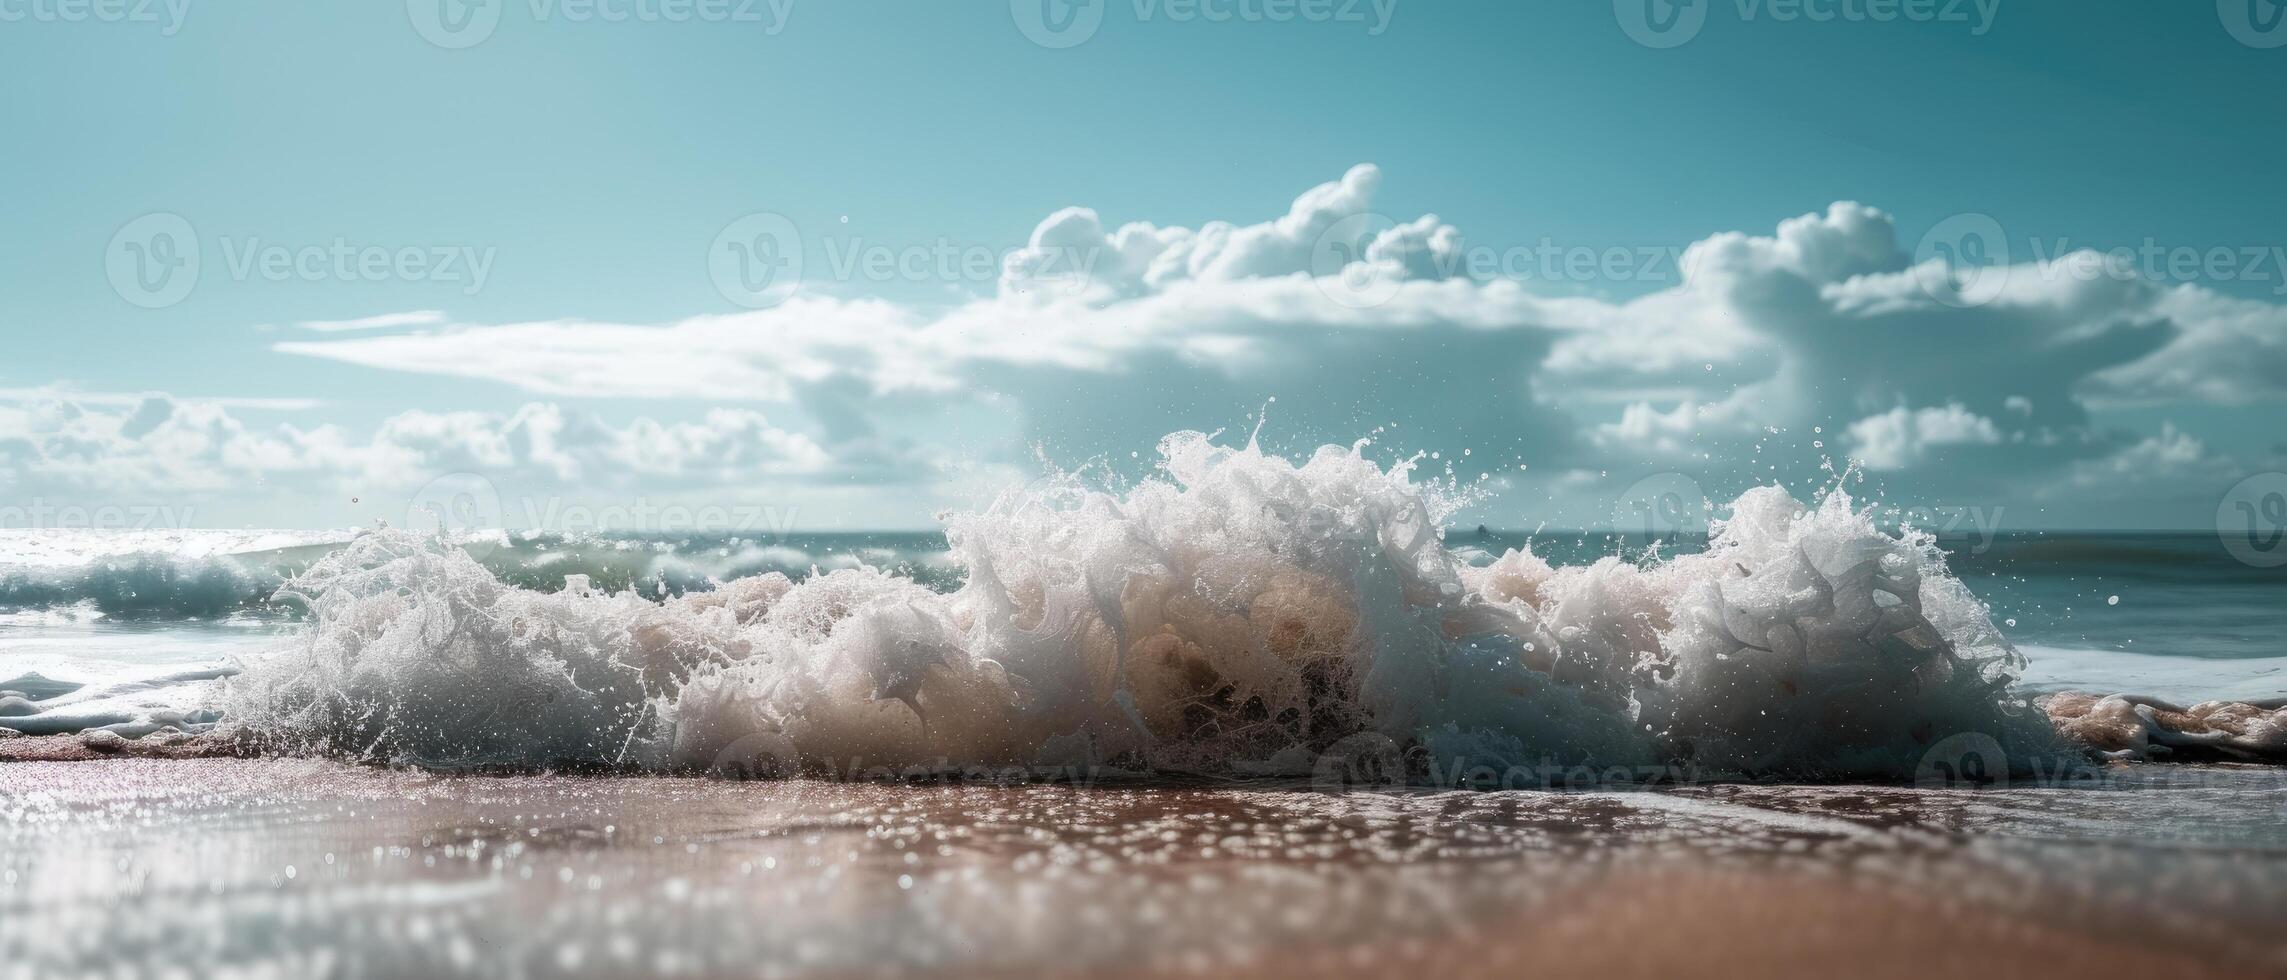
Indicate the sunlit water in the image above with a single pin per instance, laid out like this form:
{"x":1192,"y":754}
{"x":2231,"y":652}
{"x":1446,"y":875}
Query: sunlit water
{"x":298,"y":867}
{"x":2171,"y":615}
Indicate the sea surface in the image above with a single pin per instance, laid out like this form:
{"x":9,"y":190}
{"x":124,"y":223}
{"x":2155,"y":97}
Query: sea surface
{"x":290,"y":866}
{"x":145,"y":614}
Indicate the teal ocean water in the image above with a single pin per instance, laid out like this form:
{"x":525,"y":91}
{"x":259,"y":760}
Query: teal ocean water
{"x":148,"y":619}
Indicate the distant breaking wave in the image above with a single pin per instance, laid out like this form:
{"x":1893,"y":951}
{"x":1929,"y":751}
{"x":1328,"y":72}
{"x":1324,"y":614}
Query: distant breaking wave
{"x":211,"y":575}
{"x":1243,"y":616}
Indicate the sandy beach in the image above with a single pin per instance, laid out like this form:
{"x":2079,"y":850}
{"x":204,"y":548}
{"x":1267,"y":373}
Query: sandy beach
{"x":283,"y":867}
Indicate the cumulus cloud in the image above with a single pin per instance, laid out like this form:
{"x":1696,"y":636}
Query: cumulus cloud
{"x":1156,"y":328}
{"x":1838,"y":326}
{"x":2168,"y":456}
{"x":1099,"y":338}
{"x":2228,"y":350}
{"x":161,"y":447}
{"x":1899,"y":438}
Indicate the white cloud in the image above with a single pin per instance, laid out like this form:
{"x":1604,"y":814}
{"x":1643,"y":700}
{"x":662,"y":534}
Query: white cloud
{"x":2229,"y":351}
{"x":1100,"y":338}
{"x":1899,"y":438}
{"x":385,"y":321}
{"x":164,"y":447}
{"x":2171,"y":455}
{"x":62,"y":392}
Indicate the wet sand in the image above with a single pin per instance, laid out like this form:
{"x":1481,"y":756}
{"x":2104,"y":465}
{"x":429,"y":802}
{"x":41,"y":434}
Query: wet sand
{"x":304,"y":867}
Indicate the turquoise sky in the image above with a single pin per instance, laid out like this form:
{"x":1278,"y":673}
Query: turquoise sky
{"x":592,"y":161}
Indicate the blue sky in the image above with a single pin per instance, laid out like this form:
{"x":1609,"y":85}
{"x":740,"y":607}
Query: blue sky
{"x":520,"y":244}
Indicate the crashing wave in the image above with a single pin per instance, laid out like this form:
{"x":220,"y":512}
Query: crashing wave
{"x":1243,"y":615}
{"x":141,"y":586}
{"x":196,"y":576}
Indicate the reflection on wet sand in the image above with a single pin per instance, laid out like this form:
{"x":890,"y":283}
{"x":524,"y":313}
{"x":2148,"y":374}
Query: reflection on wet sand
{"x":299,"y":867}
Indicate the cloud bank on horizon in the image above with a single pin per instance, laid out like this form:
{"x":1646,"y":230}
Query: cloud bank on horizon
{"x":1759,"y":356}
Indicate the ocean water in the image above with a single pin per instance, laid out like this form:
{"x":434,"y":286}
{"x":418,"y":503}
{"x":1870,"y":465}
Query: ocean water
{"x":1208,"y":723}
{"x":150,"y":621}
{"x":117,"y":609}
{"x":1245,"y":615}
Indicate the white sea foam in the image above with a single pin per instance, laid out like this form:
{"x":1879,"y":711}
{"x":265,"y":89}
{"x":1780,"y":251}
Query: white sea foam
{"x":1240,"y":615}
{"x":2133,"y":726}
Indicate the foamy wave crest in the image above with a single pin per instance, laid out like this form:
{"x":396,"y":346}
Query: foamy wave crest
{"x":1240,"y":616}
